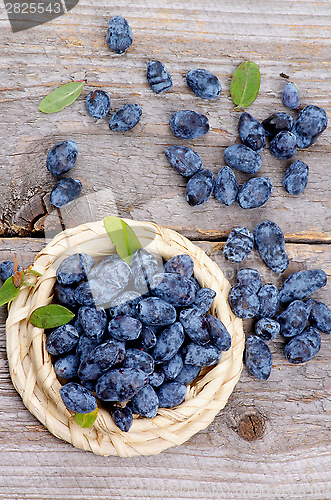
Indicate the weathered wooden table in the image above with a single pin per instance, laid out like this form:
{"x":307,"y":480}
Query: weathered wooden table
{"x":273,"y":438}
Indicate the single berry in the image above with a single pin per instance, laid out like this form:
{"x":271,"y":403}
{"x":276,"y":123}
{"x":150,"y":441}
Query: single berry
{"x":203,"y":83}
{"x":98,"y":103}
{"x":62,"y":157}
{"x":242,"y":158}
{"x":158,"y":77}
{"x":188,"y":124}
{"x":296,"y":178}
{"x":125,"y":118}
{"x":119,"y":35}
{"x":65,"y":191}
{"x":291,"y":96}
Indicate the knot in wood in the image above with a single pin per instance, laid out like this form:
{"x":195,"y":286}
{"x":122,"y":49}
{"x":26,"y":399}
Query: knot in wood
{"x":251,"y":426}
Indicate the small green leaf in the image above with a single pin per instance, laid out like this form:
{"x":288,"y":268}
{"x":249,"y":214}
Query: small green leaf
{"x":29,"y":284}
{"x":61,"y":97}
{"x":8,"y":291}
{"x":86,"y":420}
{"x":51,"y":316}
{"x":32,"y":271}
{"x":123,"y":237}
{"x":245,"y":84}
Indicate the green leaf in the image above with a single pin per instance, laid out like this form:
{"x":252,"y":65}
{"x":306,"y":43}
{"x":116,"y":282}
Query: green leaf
{"x":51,"y":316}
{"x":8,"y":291}
{"x":86,"y":420}
{"x":245,"y":84}
{"x":32,"y":271}
{"x":123,"y":237}
{"x":61,"y":97}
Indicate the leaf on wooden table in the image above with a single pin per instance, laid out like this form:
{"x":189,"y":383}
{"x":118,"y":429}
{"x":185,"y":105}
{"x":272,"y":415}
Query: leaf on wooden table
{"x":8,"y":291}
{"x":86,"y":420}
{"x":51,"y":316}
{"x":61,"y":97}
{"x":245,"y":84}
{"x":123,"y":237}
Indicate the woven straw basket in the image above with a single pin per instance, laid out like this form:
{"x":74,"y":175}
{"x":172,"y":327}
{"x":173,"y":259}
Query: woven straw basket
{"x":34,"y":378}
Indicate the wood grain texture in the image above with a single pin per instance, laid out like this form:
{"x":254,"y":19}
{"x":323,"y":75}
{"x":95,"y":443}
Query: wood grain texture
{"x":130,"y":168}
{"x":290,"y":461}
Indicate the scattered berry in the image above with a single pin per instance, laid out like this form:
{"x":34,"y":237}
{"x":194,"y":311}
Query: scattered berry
{"x":267,"y":328}
{"x":270,"y":243}
{"x":269,"y":301}
{"x":303,"y":347}
{"x":255,"y":192}
{"x":62,"y":157}
{"x":238,"y":244}
{"x":7,"y":269}
{"x":291,"y":96}
{"x":65,"y":191}
{"x":186,"y":161}
{"x":226,"y":186}
{"x":98,"y":103}
{"x":276,"y":123}
{"x":203,"y":83}
{"x":309,"y":125}
{"x":301,"y":284}
{"x":158,"y":77}
{"x":294,"y":319}
{"x":258,"y":358}
{"x":242,"y":158}
{"x":188,"y":124}
{"x":243,"y":302}
{"x":125,"y":118}
{"x":251,"y":132}
{"x":200,"y":187}
{"x":119,"y":35}
{"x":250,"y":278}
{"x":283,"y":145}
{"x":320,"y":316}
{"x":296,"y":178}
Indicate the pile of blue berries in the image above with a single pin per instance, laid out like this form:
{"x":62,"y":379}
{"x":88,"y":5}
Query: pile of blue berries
{"x":300,"y":322}
{"x":141,"y":333}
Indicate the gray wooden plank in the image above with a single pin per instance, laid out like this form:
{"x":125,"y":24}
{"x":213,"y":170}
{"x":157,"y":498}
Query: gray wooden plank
{"x":131,"y":168}
{"x":290,"y":460}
